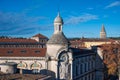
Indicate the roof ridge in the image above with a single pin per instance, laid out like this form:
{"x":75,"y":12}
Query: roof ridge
{"x":40,"y":35}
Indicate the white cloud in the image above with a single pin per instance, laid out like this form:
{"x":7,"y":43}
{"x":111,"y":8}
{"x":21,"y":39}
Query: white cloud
{"x":82,"y":18}
{"x":20,"y":24}
{"x":113,"y":4}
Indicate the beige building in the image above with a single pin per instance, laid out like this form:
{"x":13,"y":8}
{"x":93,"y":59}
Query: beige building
{"x":88,"y":43}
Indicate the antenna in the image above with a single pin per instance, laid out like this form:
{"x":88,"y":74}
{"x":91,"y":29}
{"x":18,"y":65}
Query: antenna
{"x":58,"y":6}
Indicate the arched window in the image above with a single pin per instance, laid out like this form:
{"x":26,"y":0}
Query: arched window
{"x":7,"y":70}
{"x":21,"y":65}
{"x":59,"y":28}
{"x":35,"y":67}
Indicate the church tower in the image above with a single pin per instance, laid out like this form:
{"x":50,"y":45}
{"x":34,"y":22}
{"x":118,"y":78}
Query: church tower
{"x":103,"y":33}
{"x":58,"y":39}
{"x":58,"y":53}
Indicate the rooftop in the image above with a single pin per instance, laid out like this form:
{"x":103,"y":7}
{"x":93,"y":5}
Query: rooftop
{"x":92,"y":40}
{"x":58,"y":39}
{"x":40,"y":36}
{"x":77,"y":51}
{"x":22,"y":52}
{"x":17,"y":40}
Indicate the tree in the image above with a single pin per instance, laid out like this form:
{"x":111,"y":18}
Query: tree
{"x":111,"y":57}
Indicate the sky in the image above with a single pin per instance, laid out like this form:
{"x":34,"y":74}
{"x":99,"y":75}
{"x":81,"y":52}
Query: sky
{"x":25,"y":18}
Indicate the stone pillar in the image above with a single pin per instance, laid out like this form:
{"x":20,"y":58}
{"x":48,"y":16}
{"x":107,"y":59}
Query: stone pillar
{"x":71,"y":74}
{"x":57,"y":67}
{"x":21,"y":71}
{"x":46,"y":66}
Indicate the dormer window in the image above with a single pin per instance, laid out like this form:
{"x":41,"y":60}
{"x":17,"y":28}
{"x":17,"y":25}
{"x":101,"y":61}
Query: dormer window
{"x":9,"y":52}
{"x":23,"y":51}
{"x":37,"y":51}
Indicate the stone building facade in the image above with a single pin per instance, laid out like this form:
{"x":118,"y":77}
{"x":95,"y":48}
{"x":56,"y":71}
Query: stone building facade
{"x":57,"y":59}
{"x":68,"y":63}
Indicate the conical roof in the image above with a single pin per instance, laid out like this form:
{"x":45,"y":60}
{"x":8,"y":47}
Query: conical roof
{"x":58,"y":19}
{"x":58,"y":38}
{"x":103,"y":29}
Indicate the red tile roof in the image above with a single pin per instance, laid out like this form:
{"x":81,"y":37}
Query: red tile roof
{"x":92,"y":40}
{"x":17,"y":40}
{"x":22,"y":52}
{"x":40,"y":36}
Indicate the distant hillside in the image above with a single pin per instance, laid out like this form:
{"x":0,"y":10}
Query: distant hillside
{"x":116,"y":38}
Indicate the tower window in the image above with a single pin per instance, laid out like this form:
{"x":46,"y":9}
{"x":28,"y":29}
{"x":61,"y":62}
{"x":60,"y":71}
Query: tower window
{"x":59,"y":27}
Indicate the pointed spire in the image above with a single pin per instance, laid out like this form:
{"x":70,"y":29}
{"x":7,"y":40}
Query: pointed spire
{"x":103,"y":33}
{"x":58,"y":8}
{"x":58,"y":14}
{"x":103,"y":28}
{"x":58,"y":19}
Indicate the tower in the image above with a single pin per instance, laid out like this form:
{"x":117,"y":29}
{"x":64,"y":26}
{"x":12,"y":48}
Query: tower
{"x":103,"y":33}
{"x":58,"y":53}
{"x":58,"y":39}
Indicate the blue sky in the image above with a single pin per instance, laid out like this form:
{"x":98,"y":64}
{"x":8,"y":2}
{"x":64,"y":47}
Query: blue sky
{"x":25,"y":18}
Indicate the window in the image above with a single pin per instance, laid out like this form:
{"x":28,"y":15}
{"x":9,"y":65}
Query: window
{"x":9,"y":52}
{"x":85,"y":77}
{"x":59,"y":27}
{"x":35,"y":71}
{"x":21,"y":65}
{"x":23,"y":51}
{"x":6,"y":70}
{"x":35,"y":66}
{"x":76,"y":70}
{"x":92,"y":76}
{"x":85,"y":67}
{"x":89,"y":65}
{"x":80,"y":68}
{"x":37,"y":51}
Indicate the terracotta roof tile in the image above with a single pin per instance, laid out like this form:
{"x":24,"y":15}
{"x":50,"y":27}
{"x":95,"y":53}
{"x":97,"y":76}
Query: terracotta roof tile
{"x":22,"y":52}
{"x":17,"y":40}
{"x":40,"y":36}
